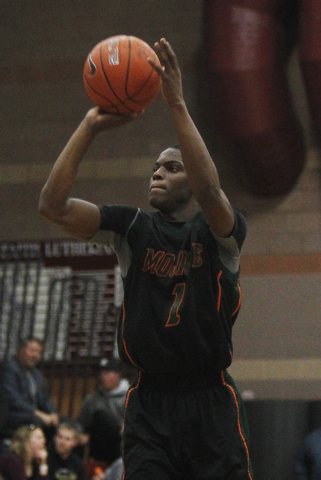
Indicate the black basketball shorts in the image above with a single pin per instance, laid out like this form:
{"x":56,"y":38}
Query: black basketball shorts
{"x":186,"y":431}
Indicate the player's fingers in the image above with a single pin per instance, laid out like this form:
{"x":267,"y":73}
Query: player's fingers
{"x":169,"y":53}
{"x":108,"y":120}
{"x":162,"y":53}
{"x":160,"y":69}
{"x":123,"y":119}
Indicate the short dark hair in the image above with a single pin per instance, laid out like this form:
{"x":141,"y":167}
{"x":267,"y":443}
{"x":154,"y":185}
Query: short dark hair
{"x":176,"y":145}
{"x":71,"y":426}
{"x":23,"y":342}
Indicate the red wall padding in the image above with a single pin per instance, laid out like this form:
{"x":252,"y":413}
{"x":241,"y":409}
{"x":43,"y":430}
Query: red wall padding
{"x":310,"y":54}
{"x":251,"y":96}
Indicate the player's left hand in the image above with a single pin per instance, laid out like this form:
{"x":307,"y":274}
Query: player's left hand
{"x":169,"y":72}
{"x":99,"y":120}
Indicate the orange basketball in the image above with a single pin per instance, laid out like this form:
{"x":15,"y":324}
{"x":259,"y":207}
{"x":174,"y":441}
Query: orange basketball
{"x":117,"y":76}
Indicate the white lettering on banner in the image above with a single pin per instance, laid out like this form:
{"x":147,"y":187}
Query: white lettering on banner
{"x":75,"y":249}
{"x":52,"y":249}
{"x":12,"y":251}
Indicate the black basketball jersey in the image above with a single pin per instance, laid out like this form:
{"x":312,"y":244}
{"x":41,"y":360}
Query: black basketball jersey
{"x":181,"y":290}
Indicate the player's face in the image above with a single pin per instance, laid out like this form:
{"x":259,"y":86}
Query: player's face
{"x":169,"y":189}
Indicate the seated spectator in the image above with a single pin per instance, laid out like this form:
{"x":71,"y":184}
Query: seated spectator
{"x":101,"y":415}
{"x":27,"y":456}
{"x":63,"y":462}
{"x":308,"y":457}
{"x":23,"y":387}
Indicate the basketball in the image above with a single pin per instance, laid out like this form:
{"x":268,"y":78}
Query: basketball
{"x":117,"y":76}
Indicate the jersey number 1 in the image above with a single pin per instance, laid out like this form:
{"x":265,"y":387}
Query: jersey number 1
{"x":174,"y":317}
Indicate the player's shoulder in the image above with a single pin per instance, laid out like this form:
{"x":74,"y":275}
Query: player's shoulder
{"x":240,"y":227}
{"x":117,"y":210}
{"x":146,"y":217}
{"x":239,"y":215}
{"x":117,"y":217}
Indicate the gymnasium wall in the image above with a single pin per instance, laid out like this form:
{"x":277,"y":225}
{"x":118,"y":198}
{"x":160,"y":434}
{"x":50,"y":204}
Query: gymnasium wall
{"x":44,"y":46}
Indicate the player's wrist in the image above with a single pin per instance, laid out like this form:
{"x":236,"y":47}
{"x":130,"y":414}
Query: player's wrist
{"x":88,"y":127}
{"x":178,"y":106}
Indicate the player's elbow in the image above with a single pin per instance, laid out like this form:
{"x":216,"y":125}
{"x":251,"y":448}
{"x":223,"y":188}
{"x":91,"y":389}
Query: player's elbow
{"x":45,"y":207}
{"x":48,"y":207}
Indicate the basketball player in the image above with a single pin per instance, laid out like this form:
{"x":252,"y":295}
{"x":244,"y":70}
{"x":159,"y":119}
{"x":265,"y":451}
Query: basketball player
{"x":184,"y":418}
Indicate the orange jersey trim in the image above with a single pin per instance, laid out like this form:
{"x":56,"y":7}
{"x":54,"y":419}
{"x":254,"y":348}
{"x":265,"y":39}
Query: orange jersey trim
{"x":126,"y":404}
{"x":238,"y":424}
{"x":219,"y":292}
{"x":240,"y":298}
{"x":124,"y":343}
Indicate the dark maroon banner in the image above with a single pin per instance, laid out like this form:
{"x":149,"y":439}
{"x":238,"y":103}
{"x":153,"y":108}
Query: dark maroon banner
{"x":54,"y":253}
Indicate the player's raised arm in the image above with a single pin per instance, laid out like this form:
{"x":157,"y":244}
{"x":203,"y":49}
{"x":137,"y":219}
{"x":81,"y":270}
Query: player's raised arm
{"x":199,"y":166}
{"x":75,"y":217}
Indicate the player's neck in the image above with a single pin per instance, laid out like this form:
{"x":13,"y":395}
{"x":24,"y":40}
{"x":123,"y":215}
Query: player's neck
{"x":182,"y":215}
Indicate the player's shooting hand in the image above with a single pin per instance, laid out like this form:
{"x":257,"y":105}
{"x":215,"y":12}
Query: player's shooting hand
{"x":169,"y":72}
{"x":99,"y":120}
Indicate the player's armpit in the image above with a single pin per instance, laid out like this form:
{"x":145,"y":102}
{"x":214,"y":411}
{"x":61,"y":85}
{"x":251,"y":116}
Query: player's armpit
{"x":78,"y":218}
